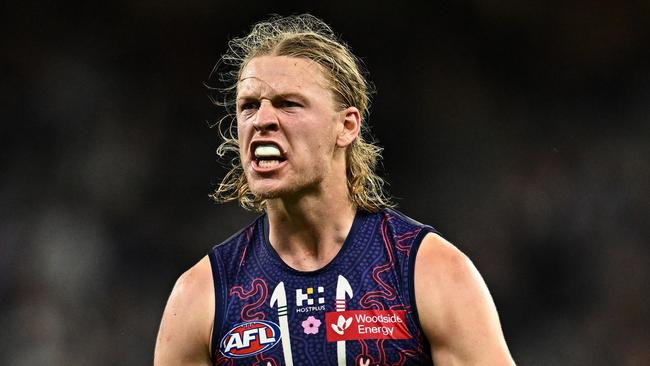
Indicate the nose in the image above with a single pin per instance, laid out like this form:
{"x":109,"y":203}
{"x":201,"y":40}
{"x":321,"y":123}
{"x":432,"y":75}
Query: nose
{"x":266,"y":118}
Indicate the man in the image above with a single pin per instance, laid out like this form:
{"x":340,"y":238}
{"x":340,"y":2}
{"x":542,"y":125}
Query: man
{"x":329,"y":274}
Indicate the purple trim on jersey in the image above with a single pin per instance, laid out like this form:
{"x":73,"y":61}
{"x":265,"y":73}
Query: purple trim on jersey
{"x":411,"y":277}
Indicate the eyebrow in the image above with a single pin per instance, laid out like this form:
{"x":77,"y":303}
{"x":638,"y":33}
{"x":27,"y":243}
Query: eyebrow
{"x":280,"y":96}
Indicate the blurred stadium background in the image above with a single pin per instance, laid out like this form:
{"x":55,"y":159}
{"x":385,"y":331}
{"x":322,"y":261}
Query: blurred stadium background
{"x":519,"y":129}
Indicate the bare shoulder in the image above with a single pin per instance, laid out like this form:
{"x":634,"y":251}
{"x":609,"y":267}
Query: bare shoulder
{"x":455,"y":307}
{"x":186,"y":325}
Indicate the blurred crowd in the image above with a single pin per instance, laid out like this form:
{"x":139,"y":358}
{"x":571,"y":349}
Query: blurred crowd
{"x":519,"y":130}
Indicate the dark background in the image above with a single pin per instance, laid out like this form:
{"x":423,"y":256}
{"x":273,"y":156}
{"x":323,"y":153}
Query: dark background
{"x":518,"y":129}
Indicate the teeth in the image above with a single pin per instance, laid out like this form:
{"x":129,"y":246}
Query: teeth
{"x":268,"y":163}
{"x":264,"y":151}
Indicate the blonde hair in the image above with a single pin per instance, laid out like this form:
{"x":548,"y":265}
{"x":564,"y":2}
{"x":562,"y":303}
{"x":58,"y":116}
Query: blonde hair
{"x":307,"y":37}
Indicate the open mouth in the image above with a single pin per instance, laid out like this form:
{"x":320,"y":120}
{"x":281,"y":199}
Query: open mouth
{"x":267,"y":155}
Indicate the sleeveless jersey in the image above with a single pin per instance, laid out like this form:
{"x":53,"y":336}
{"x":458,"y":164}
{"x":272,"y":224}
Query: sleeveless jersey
{"x":358,"y":310}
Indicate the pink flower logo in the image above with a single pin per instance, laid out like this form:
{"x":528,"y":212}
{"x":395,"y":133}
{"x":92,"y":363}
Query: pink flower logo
{"x":311,"y":325}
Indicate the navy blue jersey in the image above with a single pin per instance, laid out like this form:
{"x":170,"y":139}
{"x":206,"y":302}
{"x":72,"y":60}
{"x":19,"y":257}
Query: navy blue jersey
{"x":358,"y":310}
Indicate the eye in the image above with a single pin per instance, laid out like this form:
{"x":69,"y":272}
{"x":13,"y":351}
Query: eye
{"x":249,"y":105}
{"x":288,"y":104}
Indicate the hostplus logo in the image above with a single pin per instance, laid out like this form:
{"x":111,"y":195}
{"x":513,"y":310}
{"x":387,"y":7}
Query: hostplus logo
{"x":310,"y":299}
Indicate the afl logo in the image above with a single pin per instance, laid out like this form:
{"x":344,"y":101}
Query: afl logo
{"x":250,"y":338}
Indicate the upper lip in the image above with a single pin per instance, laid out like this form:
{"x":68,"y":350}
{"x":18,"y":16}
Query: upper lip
{"x":254,"y":144}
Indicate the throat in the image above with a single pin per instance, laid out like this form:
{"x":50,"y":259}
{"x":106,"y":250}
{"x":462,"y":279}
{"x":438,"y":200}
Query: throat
{"x":310,"y":237}
{"x":309,"y":260}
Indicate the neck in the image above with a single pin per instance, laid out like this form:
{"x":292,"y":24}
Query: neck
{"x":309,"y":231}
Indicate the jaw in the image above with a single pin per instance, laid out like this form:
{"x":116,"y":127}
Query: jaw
{"x":264,"y":182}
{"x":296,"y":189}
{"x":279,"y":182}
{"x":296,"y":178}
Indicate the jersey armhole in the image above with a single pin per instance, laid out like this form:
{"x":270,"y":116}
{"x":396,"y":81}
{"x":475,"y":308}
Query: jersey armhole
{"x":414,"y":251}
{"x":218,"y":304}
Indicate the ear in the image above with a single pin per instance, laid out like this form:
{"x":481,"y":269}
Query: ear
{"x":351,"y":127}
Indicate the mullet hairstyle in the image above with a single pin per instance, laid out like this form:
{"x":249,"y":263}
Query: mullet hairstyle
{"x":307,"y":37}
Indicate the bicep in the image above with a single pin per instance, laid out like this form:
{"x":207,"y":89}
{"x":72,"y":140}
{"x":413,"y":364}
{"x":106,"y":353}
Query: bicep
{"x":184,"y":333}
{"x":456,"y":309}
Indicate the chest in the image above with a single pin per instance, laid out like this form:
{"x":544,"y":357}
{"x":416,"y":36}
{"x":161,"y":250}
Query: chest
{"x":357,"y":316}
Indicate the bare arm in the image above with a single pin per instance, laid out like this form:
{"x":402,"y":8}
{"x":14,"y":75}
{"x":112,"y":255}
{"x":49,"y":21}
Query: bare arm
{"x":455,"y":308}
{"x":186,"y":326}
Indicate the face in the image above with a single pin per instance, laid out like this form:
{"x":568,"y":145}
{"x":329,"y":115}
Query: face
{"x":288,"y":127}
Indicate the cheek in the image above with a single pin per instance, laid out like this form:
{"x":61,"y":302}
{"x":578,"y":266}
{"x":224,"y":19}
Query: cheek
{"x":241,"y":133}
{"x":242,"y":143}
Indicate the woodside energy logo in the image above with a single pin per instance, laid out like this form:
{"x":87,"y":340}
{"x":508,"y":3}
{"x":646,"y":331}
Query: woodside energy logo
{"x":366,"y":324}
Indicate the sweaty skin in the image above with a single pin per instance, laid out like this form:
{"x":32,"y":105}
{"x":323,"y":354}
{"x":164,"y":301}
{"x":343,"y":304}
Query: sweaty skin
{"x":455,"y":308}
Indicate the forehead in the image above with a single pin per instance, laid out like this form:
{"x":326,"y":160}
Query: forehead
{"x":280,"y":74}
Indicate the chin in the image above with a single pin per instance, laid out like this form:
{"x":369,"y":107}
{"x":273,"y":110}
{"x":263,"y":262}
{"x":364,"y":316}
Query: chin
{"x":285,"y":188}
{"x":268,"y":192}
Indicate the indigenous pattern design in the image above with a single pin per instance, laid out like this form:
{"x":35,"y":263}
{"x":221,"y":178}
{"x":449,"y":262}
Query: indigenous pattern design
{"x":358,"y":310}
